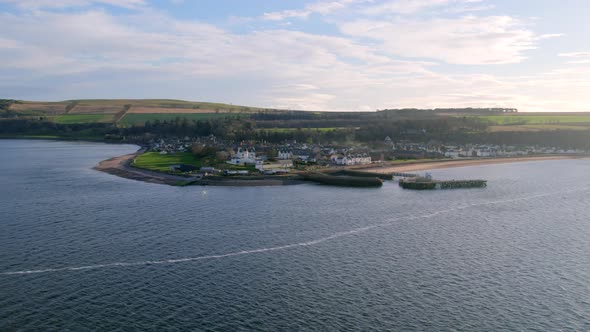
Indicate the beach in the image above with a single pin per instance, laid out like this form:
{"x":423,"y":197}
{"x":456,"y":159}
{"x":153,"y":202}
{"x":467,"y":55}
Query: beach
{"x":430,"y":165}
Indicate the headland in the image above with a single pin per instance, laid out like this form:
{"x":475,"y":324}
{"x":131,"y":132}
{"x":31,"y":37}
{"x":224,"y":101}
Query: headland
{"x":122,"y":166}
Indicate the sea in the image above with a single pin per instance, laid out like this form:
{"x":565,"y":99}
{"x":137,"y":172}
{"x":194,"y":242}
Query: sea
{"x":82,"y":250}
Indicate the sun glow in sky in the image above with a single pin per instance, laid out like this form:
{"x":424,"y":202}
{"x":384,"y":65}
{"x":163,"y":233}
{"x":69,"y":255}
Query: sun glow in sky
{"x":315,"y":55}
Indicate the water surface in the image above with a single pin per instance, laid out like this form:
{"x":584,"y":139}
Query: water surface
{"x":83,"y":250}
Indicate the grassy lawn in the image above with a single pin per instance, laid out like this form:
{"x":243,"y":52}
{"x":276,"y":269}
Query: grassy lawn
{"x":138,"y":119}
{"x":84,"y":118}
{"x":154,"y":161}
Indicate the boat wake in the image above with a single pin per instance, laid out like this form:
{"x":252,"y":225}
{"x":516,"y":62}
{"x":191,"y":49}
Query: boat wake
{"x":288,"y":246}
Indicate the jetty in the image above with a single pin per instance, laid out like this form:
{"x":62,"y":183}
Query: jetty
{"x":427,"y":183}
{"x":343,"y":181}
{"x":363,"y":174}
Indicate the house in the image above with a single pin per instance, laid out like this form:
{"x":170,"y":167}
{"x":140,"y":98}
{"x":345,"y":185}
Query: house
{"x":243,"y":156}
{"x":209,"y":170}
{"x":452,"y":154}
{"x":350,"y":160}
{"x":285,"y":154}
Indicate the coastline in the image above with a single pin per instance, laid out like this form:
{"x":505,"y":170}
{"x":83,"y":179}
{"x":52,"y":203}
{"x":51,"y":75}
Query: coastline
{"x":430,"y":165}
{"x":121,"y":166}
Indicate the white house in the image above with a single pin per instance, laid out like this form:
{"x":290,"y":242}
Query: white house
{"x":242,"y":157}
{"x":452,"y":154}
{"x":285,"y":155}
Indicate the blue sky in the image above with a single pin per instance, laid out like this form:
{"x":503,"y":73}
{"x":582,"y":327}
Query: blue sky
{"x":299,"y":54}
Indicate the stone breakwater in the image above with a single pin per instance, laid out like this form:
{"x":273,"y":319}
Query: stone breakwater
{"x":421,"y":184}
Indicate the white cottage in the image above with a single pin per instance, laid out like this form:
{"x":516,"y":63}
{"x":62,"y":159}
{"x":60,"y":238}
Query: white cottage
{"x":242,"y":157}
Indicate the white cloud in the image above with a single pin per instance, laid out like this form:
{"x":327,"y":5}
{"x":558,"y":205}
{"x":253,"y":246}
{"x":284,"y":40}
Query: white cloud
{"x":147,"y":54}
{"x":575,"y":55}
{"x":580,"y":58}
{"x":321,"y":7}
{"x":40,"y":4}
{"x":414,"y":6}
{"x":467,"y":40}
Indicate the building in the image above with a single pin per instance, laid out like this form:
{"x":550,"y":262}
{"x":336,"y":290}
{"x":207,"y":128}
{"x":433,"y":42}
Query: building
{"x":243,"y":156}
{"x":350,"y":160}
{"x":285,"y":154}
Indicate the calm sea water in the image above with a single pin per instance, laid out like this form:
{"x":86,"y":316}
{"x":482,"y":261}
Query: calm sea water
{"x":81,"y":250}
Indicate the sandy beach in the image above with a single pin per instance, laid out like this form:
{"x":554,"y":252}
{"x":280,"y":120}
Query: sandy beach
{"x":430,"y":165}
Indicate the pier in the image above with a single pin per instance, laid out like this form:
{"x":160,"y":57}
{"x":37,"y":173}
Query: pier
{"x":430,"y":184}
{"x":343,"y":181}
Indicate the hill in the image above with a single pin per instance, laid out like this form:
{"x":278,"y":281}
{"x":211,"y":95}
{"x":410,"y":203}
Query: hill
{"x":129,"y":112}
{"x":123,"y":111}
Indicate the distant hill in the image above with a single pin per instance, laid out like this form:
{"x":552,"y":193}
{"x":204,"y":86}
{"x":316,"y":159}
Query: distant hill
{"x":124,"y":111}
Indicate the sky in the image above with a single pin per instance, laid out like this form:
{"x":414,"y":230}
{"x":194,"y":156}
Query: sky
{"x":324,"y":55}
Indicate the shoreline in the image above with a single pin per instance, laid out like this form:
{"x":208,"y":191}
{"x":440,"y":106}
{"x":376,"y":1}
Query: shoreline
{"x":453,"y":163}
{"x":121,"y":166}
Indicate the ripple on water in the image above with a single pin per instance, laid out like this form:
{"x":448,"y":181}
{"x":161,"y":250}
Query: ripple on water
{"x":510,"y":257}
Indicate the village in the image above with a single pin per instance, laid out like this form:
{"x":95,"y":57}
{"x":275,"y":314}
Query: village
{"x":255,"y":158}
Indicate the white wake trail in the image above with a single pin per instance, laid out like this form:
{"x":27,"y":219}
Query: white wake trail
{"x":287,"y":246}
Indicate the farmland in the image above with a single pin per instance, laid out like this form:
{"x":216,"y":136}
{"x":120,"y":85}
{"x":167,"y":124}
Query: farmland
{"x":83,"y":118}
{"x":536,"y":119}
{"x":126,"y":112}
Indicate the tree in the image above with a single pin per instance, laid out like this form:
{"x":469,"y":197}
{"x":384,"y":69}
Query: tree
{"x":272,"y":154}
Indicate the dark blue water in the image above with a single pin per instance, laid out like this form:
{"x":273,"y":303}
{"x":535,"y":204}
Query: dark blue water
{"x":82,"y":250}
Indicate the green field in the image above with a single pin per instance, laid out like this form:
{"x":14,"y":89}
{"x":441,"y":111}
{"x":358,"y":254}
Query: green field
{"x":139,"y":119}
{"x":536,"y":119}
{"x":154,"y":161}
{"x":84,"y":118}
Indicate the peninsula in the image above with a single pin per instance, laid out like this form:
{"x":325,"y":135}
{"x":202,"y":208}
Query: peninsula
{"x":185,"y":142}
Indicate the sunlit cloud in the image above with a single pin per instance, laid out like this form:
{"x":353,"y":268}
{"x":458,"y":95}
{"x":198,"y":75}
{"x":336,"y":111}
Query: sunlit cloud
{"x":379,"y":54}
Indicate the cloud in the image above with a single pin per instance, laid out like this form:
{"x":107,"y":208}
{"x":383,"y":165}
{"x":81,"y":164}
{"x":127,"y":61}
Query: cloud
{"x":149,"y":54}
{"x":321,"y":7}
{"x":412,"y":6}
{"x":468,"y":40}
{"x":581,"y":58}
{"x":41,"y":4}
{"x":94,"y":43}
{"x":575,"y":54}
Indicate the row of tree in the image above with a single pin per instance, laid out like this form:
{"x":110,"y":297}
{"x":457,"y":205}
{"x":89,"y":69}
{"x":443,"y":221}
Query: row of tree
{"x":451,"y":130}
